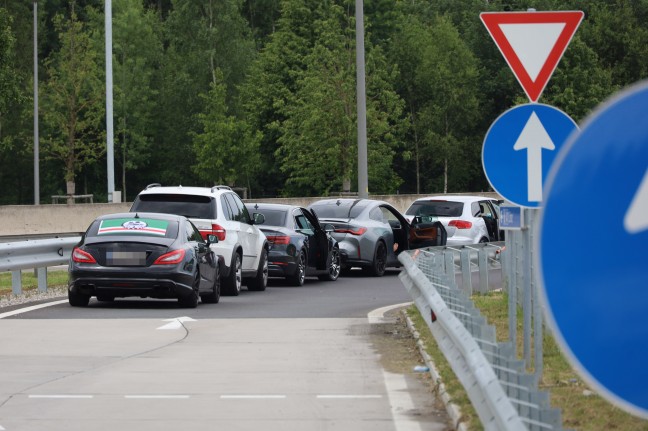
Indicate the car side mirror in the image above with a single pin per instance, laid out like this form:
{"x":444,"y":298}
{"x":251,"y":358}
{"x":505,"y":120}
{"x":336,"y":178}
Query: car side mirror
{"x":212,"y":239}
{"x":258,"y":218}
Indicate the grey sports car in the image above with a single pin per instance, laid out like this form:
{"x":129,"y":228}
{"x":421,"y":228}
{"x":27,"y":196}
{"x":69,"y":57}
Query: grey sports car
{"x":371,"y":233}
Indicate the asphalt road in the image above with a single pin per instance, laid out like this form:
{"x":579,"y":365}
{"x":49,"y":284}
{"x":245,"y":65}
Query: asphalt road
{"x":289,"y":358}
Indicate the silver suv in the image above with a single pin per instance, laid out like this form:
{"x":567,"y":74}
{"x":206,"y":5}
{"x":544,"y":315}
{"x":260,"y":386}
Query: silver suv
{"x":220,"y":212}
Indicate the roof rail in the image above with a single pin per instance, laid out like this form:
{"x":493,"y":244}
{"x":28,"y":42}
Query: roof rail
{"x":221,"y":188}
{"x":150,"y":186}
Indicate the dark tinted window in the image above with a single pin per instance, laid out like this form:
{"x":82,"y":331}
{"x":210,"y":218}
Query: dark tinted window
{"x":133,"y":227}
{"x":345,"y":209}
{"x":237,"y":214}
{"x":272,"y":217}
{"x":436,"y":208}
{"x":225,"y":207}
{"x":191,"y":206}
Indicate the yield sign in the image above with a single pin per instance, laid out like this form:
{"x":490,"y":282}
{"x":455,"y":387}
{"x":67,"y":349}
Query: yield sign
{"x":532,"y":43}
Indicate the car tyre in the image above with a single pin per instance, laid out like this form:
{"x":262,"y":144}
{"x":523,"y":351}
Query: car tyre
{"x":483,"y":240}
{"x":377,"y":268}
{"x":232,"y":283}
{"x":260,"y":281}
{"x":334,"y":266}
{"x":78,"y":299}
{"x":297,"y":279}
{"x":191,"y":300}
{"x":214,"y":296}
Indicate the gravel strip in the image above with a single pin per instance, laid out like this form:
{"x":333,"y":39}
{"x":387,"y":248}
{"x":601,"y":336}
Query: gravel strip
{"x":33,"y":295}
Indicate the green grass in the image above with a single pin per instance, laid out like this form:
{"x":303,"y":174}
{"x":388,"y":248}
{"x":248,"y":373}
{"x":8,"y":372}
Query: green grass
{"x":582,"y":409}
{"x":30,"y":282}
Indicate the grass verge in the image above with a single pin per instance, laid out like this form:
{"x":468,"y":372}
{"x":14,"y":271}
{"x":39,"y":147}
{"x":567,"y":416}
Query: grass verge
{"x":582,"y":408}
{"x":30,"y":282}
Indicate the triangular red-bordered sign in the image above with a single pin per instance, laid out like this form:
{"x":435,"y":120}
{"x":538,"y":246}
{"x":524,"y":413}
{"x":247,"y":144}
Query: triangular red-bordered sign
{"x":532,"y":43}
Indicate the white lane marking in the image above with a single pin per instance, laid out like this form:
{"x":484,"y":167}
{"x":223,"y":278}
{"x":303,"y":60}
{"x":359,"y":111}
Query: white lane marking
{"x":62,"y":397}
{"x":401,"y":402}
{"x":348,"y":397}
{"x":32,"y":308}
{"x":252,"y":397}
{"x":157,"y":397}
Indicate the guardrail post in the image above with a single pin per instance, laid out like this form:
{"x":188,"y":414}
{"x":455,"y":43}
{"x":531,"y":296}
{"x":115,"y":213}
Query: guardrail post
{"x":41,"y":275}
{"x":466,"y":273}
{"x":16,"y":282}
{"x":482,"y":256}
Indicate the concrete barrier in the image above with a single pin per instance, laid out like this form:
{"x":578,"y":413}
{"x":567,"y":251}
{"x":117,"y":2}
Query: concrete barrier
{"x":55,"y":219}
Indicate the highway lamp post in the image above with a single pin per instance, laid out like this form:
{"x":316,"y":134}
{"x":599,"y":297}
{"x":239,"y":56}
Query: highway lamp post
{"x":109,"y":103}
{"x":363,"y":186}
{"x":36,"y":146}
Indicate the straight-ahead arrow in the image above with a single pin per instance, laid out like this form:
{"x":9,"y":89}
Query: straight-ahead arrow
{"x":534,"y":138}
{"x":175,"y":323}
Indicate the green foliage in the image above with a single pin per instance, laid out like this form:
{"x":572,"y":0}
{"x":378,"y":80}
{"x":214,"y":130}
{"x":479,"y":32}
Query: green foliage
{"x":261,"y":93}
{"x":73,"y":100}
{"x":226,"y":148}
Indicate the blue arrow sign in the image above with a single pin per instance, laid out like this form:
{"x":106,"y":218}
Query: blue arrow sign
{"x":592,"y":250}
{"x":519,"y":149}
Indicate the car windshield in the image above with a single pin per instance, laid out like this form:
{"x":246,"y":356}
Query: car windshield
{"x":339,"y":209}
{"x":272,"y":217}
{"x":191,"y":206}
{"x":436,"y":208}
{"x":133,"y":227}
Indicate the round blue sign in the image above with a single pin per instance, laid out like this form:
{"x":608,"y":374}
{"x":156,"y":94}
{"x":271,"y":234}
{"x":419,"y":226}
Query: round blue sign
{"x":520,"y":147}
{"x":593,"y":261}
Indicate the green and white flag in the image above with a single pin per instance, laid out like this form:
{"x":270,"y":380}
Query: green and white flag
{"x":137,"y":226}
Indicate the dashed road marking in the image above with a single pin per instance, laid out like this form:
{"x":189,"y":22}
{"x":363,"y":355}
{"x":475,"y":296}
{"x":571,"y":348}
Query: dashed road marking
{"x":157,"y":397}
{"x":252,"y":397}
{"x":57,"y":396}
{"x":348,"y":397}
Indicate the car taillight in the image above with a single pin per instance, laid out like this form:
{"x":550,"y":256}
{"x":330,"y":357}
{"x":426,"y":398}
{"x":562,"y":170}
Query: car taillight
{"x":357,"y":231}
{"x":278,"y":239}
{"x":81,"y":256}
{"x":460,"y":224}
{"x":216,"y":230}
{"x":170,"y":258}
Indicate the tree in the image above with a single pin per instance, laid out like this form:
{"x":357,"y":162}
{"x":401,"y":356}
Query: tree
{"x":72,"y":100}
{"x":227,"y":149}
{"x":318,"y":142}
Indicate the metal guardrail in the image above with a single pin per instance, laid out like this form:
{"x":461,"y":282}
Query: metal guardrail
{"x":37,"y":254}
{"x":504,"y":395}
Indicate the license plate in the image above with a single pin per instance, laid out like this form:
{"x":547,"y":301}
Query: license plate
{"x":126,"y":258}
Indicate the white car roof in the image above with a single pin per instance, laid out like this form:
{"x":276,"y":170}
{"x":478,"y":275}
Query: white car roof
{"x":456,"y":198}
{"x":201,"y":191}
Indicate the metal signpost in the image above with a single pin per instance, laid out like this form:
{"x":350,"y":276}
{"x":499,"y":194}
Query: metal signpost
{"x":598,"y":303}
{"x":522,"y":143}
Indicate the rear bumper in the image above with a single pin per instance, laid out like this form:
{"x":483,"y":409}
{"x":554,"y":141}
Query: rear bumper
{"x":281,"y":265}
{"x":161,"y":286}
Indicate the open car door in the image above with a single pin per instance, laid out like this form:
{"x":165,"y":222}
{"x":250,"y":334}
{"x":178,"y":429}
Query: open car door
{"x":321,"y":238}
{"x":426,"y":234}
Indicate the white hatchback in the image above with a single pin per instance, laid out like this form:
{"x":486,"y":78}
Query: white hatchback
{"x":467,"y":219}
{"x":217,"y":211}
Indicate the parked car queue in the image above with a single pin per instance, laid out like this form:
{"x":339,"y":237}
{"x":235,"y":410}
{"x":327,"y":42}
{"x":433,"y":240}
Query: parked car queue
{"x":211,"y":243}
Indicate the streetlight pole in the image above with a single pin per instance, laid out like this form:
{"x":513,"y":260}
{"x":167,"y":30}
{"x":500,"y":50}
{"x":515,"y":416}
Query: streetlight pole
{"x":363,"y":184}
{"x":36,"y":147}
{"x":109,"y":103}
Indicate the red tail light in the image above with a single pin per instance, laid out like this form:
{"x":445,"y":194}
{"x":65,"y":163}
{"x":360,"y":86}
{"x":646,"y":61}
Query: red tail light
{"x":460,"y":224}
{"x":278,"y":239}
{"x":357,"y":231}
{"x":170,"y":258}
{"x":216,"y":230}
{"x":81,"y":256}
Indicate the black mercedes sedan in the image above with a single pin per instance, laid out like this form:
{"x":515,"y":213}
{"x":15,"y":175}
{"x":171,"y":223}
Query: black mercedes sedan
{"x":299,"y":245}
{"x":143,"y":255}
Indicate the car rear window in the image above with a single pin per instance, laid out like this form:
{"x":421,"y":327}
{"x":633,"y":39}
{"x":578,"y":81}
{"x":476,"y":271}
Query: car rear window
{"x":132,"y":226}
{"x":436,"y":208}
{"x":272,"y":217}
{"x":339,"y":209}
{"x":190,"y":206}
